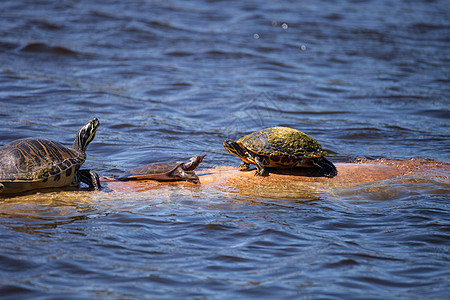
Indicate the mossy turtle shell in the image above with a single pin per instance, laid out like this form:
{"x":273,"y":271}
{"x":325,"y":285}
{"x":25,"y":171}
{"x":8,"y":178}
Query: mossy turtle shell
{"x":282,"y":142}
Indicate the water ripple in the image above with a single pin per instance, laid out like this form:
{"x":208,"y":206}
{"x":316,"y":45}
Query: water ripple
{"x":169,"y":80}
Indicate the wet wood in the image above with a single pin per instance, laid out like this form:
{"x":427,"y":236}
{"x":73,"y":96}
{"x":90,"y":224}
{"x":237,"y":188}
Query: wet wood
{"x":291,"y":182}
{"x":277,"y":179}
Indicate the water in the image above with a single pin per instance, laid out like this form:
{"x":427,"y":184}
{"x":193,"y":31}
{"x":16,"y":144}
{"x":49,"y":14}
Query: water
{"x":171,"y":79}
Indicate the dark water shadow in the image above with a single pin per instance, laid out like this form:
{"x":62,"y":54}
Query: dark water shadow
{"x":45,"y":191}
{"x":303,"y":171}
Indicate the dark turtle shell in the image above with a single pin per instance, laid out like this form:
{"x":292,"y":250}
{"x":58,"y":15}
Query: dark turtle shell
{"x":33,"y":163}
{"x":170,"y":171}
{"x":37,"y":163}
{"x":282,"y":142}
{"x":37,"y":160}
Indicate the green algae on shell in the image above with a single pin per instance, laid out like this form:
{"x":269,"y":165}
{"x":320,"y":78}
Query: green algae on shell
{"x":282,"y":141}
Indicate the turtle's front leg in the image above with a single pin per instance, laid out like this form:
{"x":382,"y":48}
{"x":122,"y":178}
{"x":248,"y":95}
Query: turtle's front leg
{"x":90,"y":178}
{"x":259,"y":167}
{"x":95,"y":180}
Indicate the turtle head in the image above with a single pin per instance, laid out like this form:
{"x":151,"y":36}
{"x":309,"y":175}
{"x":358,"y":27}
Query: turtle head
{"x":235,"y":148}
{"x":193,"y":162}
{"x":85,"y":135}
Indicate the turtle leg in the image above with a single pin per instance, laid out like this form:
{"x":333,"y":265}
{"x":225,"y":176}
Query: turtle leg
{"x":191,"y":177}
{"x":259,"y":167}
{"x":180,"y":174}
{"x":244,"y":166}
{"x":90,"y":178}
{"x":325,"y":167}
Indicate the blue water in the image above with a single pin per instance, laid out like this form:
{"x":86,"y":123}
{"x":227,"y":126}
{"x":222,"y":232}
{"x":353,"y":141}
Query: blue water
{"x":172,"y":79}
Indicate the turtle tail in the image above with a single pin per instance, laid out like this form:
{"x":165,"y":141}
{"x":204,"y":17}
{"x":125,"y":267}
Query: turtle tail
{"x":325,"y":166}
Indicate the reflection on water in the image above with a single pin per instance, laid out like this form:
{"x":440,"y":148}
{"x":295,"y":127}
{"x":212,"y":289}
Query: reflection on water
{"x":187,"y":240}
{"x":169,"y":80}
{"x":35,"y":213}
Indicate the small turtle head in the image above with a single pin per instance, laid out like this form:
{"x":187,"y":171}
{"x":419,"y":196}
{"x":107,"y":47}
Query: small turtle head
{"x":235,"y":148}
{"x":85,"y":135}
{"x":193,"y":162}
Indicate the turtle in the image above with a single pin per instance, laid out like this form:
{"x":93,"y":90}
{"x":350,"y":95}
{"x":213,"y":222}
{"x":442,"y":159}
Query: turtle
{"x":280,"y":147}
{"x":166,"y":171}
{"x":35,"y":163}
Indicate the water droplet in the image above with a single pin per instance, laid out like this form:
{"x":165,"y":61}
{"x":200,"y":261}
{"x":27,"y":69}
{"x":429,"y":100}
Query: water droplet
{"x":256,"y":36}
{"x":284,"y":26}
{"x":303,"y":47}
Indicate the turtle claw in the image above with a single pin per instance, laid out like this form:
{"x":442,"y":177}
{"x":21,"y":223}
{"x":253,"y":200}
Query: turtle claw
{"x":259,"y":170}
{"x":95,"y":181}
{"x":259,"y":173}
{"x":259,"y":167}
{"x":90,"y":178}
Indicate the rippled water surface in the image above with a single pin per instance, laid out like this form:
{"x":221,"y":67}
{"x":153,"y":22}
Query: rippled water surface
{"x":171,"y":79}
